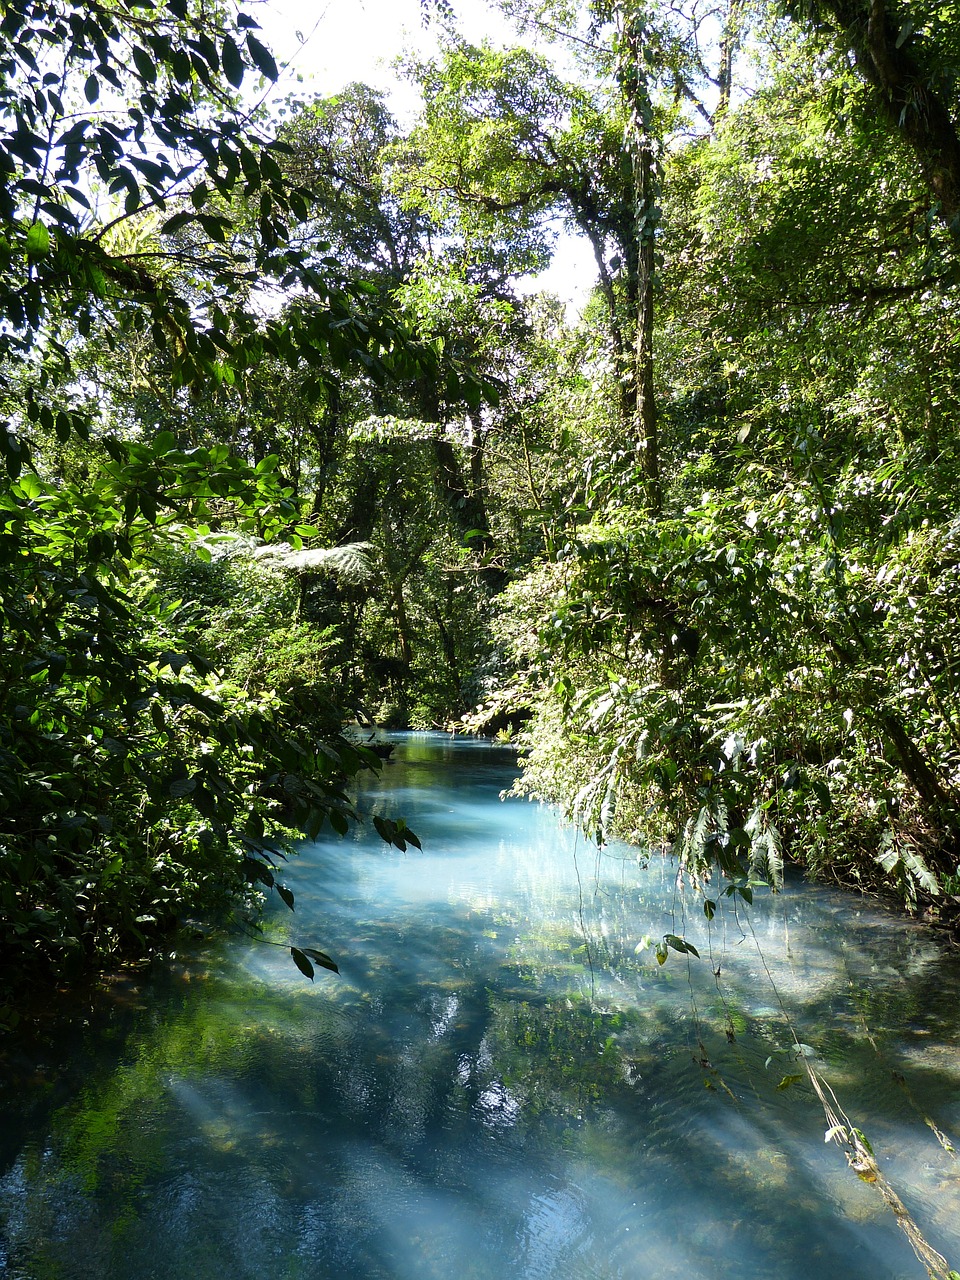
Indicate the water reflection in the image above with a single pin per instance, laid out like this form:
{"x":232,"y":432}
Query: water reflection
{"x":499,"y":1085}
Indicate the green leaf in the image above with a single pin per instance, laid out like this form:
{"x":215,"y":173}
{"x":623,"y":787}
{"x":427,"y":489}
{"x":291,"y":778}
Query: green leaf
{"x":396,"y":833}
{"x":91,"y":89}
{"x":321,"y":959}
{"x":214,"y":226}
{"x":339,"y":822}
{"x":285,"y":895}
{"x":38,"y":241}
{"x":146,"y":66}
{"x":177,"y":223}
{"x":822,"y":792}
{"x":262,"y":58}
{"x":680,"y":944}
{"x":233,"y":67}
{"x":302,"y":963}
{"x":789,"y":1081}
{"x":175,"y":661}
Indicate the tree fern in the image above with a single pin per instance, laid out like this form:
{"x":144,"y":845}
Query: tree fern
{"x":353,"y":561}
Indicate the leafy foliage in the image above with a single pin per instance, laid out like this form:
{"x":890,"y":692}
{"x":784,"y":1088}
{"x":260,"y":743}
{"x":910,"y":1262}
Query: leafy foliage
{"x":137,"y":783}
{"x":703,"y":541}
{"x":139,"y":780}
{"x":761,"y":671}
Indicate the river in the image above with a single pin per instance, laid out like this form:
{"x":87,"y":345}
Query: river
{"x":502,"y":1083}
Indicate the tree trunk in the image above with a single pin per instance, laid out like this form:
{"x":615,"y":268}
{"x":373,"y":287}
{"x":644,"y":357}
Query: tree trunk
{"x":397,"y":574}
{"x":326,"y":436}
{"x":622,"y":353}
{"x":914,"y":763}
{"x":640,"y":140}
{"x":464,"y":501}
{"x":646,"y":413}
{"x":907,"y":92}
{"x":728,"y":47}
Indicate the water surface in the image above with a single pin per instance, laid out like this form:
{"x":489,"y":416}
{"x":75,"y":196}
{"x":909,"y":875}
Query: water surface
{"x":499,"y":1084}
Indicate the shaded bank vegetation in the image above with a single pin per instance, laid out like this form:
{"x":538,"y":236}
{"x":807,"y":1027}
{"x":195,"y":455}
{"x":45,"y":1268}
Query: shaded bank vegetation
{"x":699,"y":546}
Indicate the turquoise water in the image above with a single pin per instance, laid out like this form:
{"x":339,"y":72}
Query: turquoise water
{"x":501,"y":1083}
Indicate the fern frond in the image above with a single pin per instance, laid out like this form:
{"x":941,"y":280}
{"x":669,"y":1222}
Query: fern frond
{"x":919,"y":871}
{"x":766,"y":856}
{"x":353,"y":561}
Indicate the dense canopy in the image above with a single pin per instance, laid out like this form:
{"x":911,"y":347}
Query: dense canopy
{"x":697,"y":548}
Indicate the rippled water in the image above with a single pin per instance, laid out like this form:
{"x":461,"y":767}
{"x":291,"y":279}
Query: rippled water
{"x":499,"y":1084}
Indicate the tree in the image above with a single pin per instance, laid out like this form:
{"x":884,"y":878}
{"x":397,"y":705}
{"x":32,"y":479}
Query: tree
{"x":743,"y":676}
{"x":909,"y":62}
{"x":137,"y":782}
{"x":363,"y":433}
{"x":504,"y":147}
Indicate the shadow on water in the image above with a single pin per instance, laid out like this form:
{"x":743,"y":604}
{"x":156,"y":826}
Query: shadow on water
{"x":499,"y":1084}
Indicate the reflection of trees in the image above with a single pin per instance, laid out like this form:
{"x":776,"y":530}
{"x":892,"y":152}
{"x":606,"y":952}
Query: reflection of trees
{"x":460,"y":1094}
